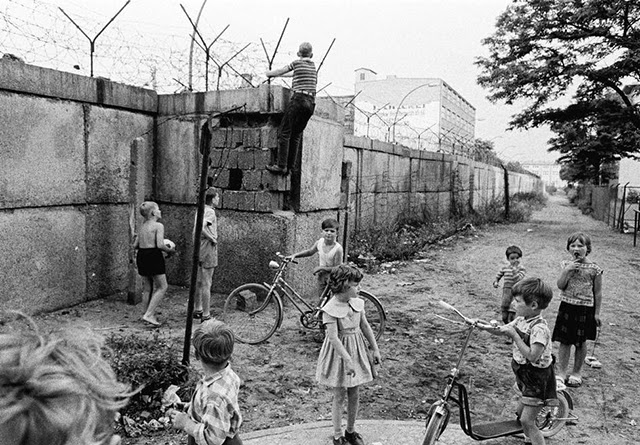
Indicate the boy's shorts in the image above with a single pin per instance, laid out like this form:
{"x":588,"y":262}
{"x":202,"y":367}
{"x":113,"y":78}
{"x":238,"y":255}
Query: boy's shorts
{"x":538,"y":385}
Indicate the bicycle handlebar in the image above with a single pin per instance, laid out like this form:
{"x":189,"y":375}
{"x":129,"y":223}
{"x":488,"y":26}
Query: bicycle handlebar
{"x":470,"y":321}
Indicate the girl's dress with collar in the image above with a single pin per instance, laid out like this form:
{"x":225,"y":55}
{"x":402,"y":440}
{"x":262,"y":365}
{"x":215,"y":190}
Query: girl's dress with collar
{"x":331,"y":370}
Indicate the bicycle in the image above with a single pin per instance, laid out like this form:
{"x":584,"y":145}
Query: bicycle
{"x":550,"y":419}
{"x":255,"y":311}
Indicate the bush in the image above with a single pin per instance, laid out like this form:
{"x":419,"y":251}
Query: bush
{"x":148,"y":364}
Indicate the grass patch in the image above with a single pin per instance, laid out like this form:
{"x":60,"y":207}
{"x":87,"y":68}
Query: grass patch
{"x":409,"y":236}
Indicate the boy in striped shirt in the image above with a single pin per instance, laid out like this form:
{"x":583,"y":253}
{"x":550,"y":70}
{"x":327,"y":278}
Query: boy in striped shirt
{"x":512,"y":273}
{"x":298,"y":111}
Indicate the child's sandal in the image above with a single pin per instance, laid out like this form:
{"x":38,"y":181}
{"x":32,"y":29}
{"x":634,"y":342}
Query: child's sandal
{"x":197,"y":315}
{"x":205,"y":318}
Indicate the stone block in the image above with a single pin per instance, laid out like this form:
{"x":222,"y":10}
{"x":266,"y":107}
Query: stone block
{"x":231,"y":159}
{"x":266,"y":201}
{"x":269,"y":137}
{"x":239,"y":200}
{"x":252,"y":180}
{"x":216,"y":157}
{"x":261,"y":158}
{"x":245,"y":159}
{"x":277,"y":183}
{"x":219,"y":177}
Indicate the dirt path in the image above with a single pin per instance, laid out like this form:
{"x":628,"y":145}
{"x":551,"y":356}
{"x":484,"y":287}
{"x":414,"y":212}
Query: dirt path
{"x":419,"y":348}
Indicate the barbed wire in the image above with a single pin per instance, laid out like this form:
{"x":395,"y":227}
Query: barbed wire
{"x":38,"y":33}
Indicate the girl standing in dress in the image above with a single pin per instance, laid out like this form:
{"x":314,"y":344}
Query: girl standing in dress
{"x":343,"y":363}
{"x":580,"y":285}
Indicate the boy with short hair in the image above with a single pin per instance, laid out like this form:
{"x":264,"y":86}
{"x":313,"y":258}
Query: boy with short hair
{"x":208,"y":258}
{"x":298,"y":111}
{"x":512,"y":273}
{"x":149,"y":243}
{"x":532,"y":361}
{"x":213,"y":417}
{"x":329,"y":252}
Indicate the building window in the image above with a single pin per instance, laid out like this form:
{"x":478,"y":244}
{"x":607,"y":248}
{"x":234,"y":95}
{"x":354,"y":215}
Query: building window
{"x":361,"y":76}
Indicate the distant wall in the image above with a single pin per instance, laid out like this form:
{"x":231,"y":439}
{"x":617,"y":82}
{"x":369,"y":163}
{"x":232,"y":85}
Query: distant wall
{"x":388,"y":181}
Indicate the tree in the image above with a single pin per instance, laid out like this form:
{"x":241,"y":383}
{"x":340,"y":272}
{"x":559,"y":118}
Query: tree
{"x":542,"y":48}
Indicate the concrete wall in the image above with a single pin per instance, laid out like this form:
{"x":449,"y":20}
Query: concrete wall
{"x":78,"y":155}
{"x":65,"y":157}
{"x":389,"y":181}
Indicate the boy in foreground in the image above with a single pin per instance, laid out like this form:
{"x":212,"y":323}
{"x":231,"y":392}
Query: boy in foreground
{"x":213,"y":417}
{"x":532,"y":361}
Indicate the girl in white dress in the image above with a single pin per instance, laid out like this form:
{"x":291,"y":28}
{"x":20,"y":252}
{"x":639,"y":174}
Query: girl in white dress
{"x":343,"y":363}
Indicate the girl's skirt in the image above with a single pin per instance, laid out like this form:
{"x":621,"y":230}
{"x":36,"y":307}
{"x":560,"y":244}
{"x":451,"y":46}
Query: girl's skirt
{"x":574,"y":324}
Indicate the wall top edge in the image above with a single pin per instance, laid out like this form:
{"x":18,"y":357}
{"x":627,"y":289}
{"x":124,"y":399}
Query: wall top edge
{"x":21,"y":77}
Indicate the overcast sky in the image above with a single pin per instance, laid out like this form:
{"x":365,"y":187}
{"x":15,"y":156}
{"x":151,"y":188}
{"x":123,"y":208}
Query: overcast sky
{"x":406,"y":38}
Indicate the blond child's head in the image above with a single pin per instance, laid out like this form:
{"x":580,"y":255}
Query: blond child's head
{"x":148,"y":208}
{"x":56,"y":388}
{"x":305,"y":50}
{"x":213,"y":342}
{"x":341,"y":275}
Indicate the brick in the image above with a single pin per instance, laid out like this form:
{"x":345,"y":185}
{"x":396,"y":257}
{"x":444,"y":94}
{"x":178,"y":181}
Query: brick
{"x":246,"y":200}
{"x":219,"y":177}
{"x":231,"y":199}
{"x":252,"y":137}
{"x":220,"y":138}
{"x":245,"y":159}
{"x":277,"y":183}
{"x":266,"y":201}
{"x":261,"y":158}
{"x":231,"y":159}
{"x":269,"y":137}
{"x":252,"y":180}
{"x":216,"y":158}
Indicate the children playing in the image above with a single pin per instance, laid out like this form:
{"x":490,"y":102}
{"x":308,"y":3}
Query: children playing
{"x":578,"y":319}
{"x":532,"y":360}
{"x":298,"y":111}
{"x":343,"y":363}
{"x":213,"y":417}
{"x":512,"y":273}
{"x":149,"y":244}
{"x":208,"y":258}
{"x":329,"y":252}
{"x":56,"y":388}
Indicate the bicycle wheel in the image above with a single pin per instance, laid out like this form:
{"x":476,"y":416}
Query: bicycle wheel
{"x":435,"y":427}
{"x":375,"y":313}
{"x":551,"y":419}
{"x":253,"y":313}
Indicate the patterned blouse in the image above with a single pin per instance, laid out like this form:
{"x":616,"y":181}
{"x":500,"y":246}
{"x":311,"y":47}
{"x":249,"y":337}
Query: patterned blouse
{"x":579,"y":290}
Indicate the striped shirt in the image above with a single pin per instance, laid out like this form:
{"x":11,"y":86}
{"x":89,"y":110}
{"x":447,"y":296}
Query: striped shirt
{"x":305,"y":77}
{"x":214,"y":407}
{"x":511,"y":275}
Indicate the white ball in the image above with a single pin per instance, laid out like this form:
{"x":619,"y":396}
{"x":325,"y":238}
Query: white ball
{"x":170,"y":244}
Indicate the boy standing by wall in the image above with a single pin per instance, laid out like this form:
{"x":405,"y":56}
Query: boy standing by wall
{"x":213,"y":417}
{"x":298,"y":111}
{"x":208,"y":258}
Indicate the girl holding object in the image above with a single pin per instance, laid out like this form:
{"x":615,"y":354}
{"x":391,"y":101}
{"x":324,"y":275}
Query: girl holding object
{"x":343,"y":363}
{"x":578,"y":319}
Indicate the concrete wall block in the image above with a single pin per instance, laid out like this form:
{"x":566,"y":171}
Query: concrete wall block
{"x":109,"y":152}
{"x":357,"y":142}
{"x":384,"y":147}
{"x":231,"y":159}
{"x":276,"y":183}
{"x":252,"y":138}
{"x":42,"y":153}
{"x":245,"y":159}
{"x":44,"y":265}
{"x":252,"y":180}
{"x":261,"y":158}
{"x":239,"y":200}
{"x":266,"y":201}
{"x":221,"y":138}
{"x":269,"y":137}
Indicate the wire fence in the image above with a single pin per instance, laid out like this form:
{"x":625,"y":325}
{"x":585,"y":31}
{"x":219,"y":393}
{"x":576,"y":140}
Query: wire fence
{"x":39,"y":33}
{"x":616,"y":205}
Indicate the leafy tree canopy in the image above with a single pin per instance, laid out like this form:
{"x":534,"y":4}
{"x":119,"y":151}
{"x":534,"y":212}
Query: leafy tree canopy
{"x":541,"y":48}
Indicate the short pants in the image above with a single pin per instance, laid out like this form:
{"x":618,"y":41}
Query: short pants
{"x":150,"y":262}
